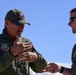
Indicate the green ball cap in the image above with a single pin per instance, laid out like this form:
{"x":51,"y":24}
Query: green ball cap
{"x":16,"y":16}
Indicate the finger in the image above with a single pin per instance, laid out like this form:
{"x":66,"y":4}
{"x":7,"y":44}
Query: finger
{"x":49,"y":63}
{"x":22,"y":59}
{"x":47,"y":69}
{"x":28,"y":44}
{"x":27,"y":55}
{"x":16,"y":41}
{"x":23,"y":54}
{"x":27,"y":48}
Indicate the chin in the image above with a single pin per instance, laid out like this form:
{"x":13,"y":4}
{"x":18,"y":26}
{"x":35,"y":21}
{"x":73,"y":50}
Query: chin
{"x":74,"y":32}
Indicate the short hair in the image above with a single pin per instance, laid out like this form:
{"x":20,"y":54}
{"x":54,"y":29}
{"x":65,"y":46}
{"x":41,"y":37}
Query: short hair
{"x":73,"y":10}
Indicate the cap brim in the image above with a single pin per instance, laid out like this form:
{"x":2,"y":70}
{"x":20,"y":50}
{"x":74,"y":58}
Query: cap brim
{"x":21,"y":22}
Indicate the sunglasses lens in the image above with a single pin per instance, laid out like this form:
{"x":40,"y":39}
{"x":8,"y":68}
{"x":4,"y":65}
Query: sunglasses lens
{"x":72,"y":18}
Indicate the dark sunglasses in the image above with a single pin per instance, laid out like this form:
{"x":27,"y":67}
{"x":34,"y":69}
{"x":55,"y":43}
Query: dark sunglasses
{"x":71,"y":19}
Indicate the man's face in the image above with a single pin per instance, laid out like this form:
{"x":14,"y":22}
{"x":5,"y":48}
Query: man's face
{"x":14,"y":30}
{"x":72,"y":22}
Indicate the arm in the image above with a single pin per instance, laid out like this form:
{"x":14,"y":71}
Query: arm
{"x":39,"y":64}
{"x":5,"y":60}
{"x":7,"y":56}
{"x":67,"y":71}
{"x":35,"y":59}
{"x":54,"y":68}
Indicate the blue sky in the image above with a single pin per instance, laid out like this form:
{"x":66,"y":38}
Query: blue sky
{"x":49,"y":30}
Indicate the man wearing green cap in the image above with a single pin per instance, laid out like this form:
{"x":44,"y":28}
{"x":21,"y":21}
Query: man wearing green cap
{"x":17,"y":54}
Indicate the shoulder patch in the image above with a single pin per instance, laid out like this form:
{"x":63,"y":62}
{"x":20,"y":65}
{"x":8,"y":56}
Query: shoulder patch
{"x":5,"y":47}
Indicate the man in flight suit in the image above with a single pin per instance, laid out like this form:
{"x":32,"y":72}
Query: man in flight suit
{"x":17,"y":53}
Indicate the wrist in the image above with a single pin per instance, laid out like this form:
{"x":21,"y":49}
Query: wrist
{"x":12,"y":52}
{"x":61,"y":69}
{"x":36,"y":56}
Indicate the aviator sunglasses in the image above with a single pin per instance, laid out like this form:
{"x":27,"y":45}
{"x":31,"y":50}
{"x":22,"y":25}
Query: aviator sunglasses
{"x":71,"y":19}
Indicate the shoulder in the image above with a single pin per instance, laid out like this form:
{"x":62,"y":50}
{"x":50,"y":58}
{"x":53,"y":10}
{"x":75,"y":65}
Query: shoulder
{"x":1,"y":36}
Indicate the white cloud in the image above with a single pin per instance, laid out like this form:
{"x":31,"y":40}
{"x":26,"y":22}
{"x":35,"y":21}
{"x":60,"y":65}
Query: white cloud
{"x":47,"y":73}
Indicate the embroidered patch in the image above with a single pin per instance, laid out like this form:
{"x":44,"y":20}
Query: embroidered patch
{"x":21,"y":15}
{"x":5,"y":47}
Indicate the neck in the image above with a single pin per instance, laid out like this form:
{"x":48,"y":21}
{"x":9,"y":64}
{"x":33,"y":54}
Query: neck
{"x":7,"y":32}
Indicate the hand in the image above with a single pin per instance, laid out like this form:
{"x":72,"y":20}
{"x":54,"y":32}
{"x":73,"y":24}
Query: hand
{"x":20,"y":47}
{"x":27,"y":57}
{"x":52,"y":67}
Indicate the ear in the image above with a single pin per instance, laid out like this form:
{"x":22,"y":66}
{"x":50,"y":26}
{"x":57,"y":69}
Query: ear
{"x":7,"y":23}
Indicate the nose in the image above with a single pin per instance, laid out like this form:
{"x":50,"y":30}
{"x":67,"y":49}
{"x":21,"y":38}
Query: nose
{"x":21,"y":26}
{"x":69,"y":24}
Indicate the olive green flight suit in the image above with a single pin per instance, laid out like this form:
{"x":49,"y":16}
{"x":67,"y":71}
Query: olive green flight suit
{"x":9,"y":65}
